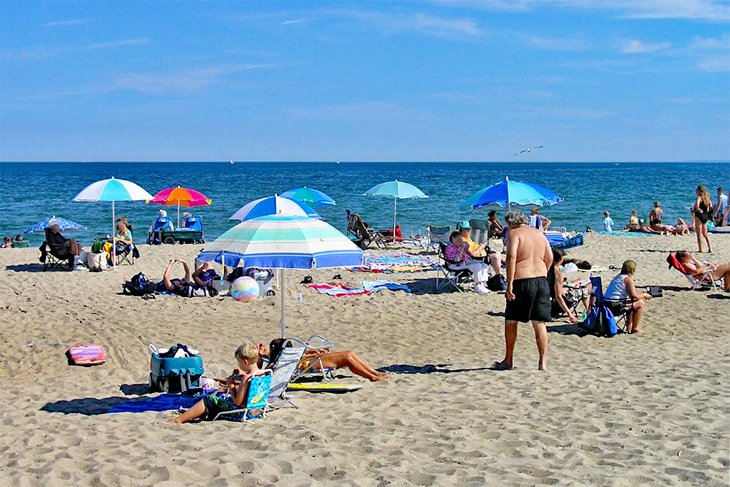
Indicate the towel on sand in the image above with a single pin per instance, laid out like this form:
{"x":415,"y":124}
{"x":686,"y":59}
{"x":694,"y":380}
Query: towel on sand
{"x":396,"y":262}
{"x":368,"y":287}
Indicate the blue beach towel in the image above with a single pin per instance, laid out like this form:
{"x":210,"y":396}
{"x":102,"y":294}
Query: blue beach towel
{"x":163,"y":402}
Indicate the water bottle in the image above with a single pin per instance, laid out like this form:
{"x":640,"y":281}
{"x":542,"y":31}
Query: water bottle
{"x":300,"y":298}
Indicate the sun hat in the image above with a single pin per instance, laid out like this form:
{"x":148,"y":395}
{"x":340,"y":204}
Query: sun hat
{"x":463,"y":224}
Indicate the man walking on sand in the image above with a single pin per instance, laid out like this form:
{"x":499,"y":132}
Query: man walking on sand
{"x":528,"y":294}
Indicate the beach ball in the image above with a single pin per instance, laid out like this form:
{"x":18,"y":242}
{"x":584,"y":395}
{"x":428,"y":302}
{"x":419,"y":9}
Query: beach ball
{"x":244,"y":289}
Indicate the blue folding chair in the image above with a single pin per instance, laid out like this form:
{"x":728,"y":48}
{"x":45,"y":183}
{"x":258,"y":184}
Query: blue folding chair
{"x":257,"y":399}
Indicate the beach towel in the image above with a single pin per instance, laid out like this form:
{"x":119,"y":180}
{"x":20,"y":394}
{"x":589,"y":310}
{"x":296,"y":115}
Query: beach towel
{"x":86,"y":354}
{"x":368,"y":287}
{"x":163,"y":402}
{"x":396,"y":262}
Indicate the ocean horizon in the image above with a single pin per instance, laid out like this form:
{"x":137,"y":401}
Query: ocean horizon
{"x":36,"y":190}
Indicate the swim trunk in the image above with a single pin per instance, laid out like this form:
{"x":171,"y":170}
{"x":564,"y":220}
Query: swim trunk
{"x":218,"y":403}
{"x":532,"y":300}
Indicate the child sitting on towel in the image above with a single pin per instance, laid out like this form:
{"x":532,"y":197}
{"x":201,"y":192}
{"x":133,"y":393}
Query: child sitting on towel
{"x":232,"y":393}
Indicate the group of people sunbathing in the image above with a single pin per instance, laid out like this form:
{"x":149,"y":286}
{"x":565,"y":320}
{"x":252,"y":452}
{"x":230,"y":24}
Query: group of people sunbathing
{"x":252,"y":358}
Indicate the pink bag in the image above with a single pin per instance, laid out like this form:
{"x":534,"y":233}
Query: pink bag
{"x":86,"y":354}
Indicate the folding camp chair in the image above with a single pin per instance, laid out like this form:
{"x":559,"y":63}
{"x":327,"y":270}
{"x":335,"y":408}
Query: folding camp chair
{"x":259,"y":387}
{"x":364,"y":235}
{"x":479,"y":230}
{"x":283,"y":371}
{"x":437,"y":236}
{"x":695,"y":282}
{"x":452,"y":273}
{"x":621,"y":309}
{"x":128,"y":255}
{"x":54,"y":257}
{"x":316,"y":369}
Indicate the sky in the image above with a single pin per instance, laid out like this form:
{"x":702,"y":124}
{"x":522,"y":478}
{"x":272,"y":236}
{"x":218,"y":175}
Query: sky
{"x":429,"y":80}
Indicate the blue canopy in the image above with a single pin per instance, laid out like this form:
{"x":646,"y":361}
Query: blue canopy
{"x":506,"y":193}
{"x":310,"y":196}
{"x":66,"y":225}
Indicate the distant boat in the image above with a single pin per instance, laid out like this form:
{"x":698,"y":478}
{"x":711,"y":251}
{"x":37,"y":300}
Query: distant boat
{"x":337,"y":162}
{"x":231,"y":161}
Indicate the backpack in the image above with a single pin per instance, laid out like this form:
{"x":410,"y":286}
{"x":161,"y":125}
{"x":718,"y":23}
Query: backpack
{"x":497,"y":283}
{"x":600,"y":321}
{"x":139,"y":285}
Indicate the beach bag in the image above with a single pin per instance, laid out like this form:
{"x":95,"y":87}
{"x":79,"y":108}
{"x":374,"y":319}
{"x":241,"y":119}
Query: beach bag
{"x":610,"y":328}
{"x":96,"y":260}
{"x":139,"y":285}
{"x":497,"y":283}
{"x":86,"y":354}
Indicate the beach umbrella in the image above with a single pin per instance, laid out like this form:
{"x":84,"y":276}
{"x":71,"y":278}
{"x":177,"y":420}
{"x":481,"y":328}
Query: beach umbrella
{"x":283,"y":242}
{"x":113,"y":190}
{"x":273,"y":205}
{"x":396,"y":190}
{"x":178,"y":196}
{"x":310,"y":196}
{"x":65,"y":225}
{"x":507,"y":193}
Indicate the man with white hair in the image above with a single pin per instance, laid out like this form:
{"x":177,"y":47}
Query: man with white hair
{"x":161,"y":223}
{"x":529,"y":257}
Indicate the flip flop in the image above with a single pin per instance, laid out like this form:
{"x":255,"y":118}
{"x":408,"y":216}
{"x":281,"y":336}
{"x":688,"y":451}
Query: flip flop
{"x":306,"y":280}
{"x":337,"y":276}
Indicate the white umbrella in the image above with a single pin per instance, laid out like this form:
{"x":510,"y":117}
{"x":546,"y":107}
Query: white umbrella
{"x":283,"y":242}
{"x":113,"y":190}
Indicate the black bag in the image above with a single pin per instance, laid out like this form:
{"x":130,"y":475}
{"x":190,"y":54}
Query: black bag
{"x":497,"y":283}
{"x":655,"y":291}
{"x":139,"y":285}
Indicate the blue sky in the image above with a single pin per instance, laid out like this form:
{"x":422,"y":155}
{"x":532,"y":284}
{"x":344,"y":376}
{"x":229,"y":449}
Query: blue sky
{"x":441,"y":80}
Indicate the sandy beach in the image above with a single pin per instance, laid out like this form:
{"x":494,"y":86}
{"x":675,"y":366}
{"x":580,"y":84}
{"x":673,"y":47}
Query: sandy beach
{"x":652,"y":409}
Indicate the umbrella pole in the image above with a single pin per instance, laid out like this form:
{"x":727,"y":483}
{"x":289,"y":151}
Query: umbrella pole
{"x":395,"y":204}
{"x":282,"y":323}
{"x":178,"y":214}
{"x":114,"y":238}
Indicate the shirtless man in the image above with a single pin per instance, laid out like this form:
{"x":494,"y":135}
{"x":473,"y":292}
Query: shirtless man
{"x":528,"y":293}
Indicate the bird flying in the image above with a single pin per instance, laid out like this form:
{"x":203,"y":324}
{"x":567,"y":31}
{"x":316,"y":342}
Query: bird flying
{"x":528,"y":149}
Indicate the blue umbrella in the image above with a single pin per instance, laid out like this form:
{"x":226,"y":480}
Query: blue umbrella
{"x":310,"y":196}
{"x":273,"y":205}
{"x":507,"y":193}
{"x":396,"y":190}
{"x":65,"y":225}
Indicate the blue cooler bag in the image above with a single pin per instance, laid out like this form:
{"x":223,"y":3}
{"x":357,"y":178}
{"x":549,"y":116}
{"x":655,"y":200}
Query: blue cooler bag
{"x":174,"y":374}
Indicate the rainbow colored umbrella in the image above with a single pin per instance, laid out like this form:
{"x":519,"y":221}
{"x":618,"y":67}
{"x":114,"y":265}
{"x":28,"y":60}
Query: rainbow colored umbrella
{"x":179,"y":196}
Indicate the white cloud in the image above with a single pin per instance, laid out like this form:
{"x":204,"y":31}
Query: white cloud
{"x":125,"y":42}
{"x":558,"y":44}
{"x":62,"y":23}
{"x":443,"y":27}
{"x":722,"y":42}
{"x":715,"y":64}
{"x":295,"y":21}
{"x":44,"y":52}
{"x":635,"y":46}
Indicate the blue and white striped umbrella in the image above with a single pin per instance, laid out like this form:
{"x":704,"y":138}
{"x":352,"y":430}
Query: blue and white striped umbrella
{"x":65,"y":225}
{"x":273,"y":205}
{"x":113,"y":190}
{"x":283,"y":242}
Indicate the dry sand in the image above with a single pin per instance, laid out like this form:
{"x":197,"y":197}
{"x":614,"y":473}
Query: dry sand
{"x":631,"y":410}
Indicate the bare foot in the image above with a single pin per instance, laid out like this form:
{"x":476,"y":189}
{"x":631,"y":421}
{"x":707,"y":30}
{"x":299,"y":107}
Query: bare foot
{"x":381,"y":377}
{"x":503,"y":365}
{"x":542,"y":367}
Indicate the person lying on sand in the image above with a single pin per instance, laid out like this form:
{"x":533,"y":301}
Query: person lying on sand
{"x":681,"y":228}
{"x":232,"y":393}
{"x":718,"y":271}
{"x":635,"y":225}
{"x":328,"y":360}
{"x":190,"y":285}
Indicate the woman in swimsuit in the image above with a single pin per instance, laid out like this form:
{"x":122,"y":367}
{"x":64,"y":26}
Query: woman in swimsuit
{"x":636,"y":226}
{"x":702,"y":211}
{"x":655,"y":220}
{"x":698,"y":270}
{"x":681,"y":228}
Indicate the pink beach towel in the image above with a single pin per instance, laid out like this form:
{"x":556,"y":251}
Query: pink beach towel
{"x":86,"y":354}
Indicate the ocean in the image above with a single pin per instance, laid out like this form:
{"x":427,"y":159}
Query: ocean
{"x":32,"y":192}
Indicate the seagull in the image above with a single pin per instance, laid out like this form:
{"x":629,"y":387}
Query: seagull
{"x":528,"y":149}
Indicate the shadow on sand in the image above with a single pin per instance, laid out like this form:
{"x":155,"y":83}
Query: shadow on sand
{"x":426,"y":369}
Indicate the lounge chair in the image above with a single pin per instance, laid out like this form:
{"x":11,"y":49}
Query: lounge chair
{"x":363,"y":235}
{"x":437,"y":236}
{"x":695,"y":282}
{"x":256,"y":399}
{"x":284,"y":370}
{"x":161,"y":223}
{"x":316,"y":369}
{"x":452,"y":273}
{"x":54,"y":256}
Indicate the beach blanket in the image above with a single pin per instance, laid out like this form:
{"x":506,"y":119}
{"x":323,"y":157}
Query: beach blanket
{"x":629,"y":234}
{"x":368,"y":287}
{"x":396,"y":262}
{"x":163,"y":402}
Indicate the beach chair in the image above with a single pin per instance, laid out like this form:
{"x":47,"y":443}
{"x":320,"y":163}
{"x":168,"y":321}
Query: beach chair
{"x":284,"y":370}
{"x":54,"y":257}
{"x":451,"y":273}
{"x":695,"y":282}
{"x":161,"y":223}
{"x":259,"y":387}
{"x":363,"y":235}
{"x":316,"y":369}
{"x":437,"y":236}
{"x":621,"y":310}
{"x":128,"y":254}
{"x":479,"y":230}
